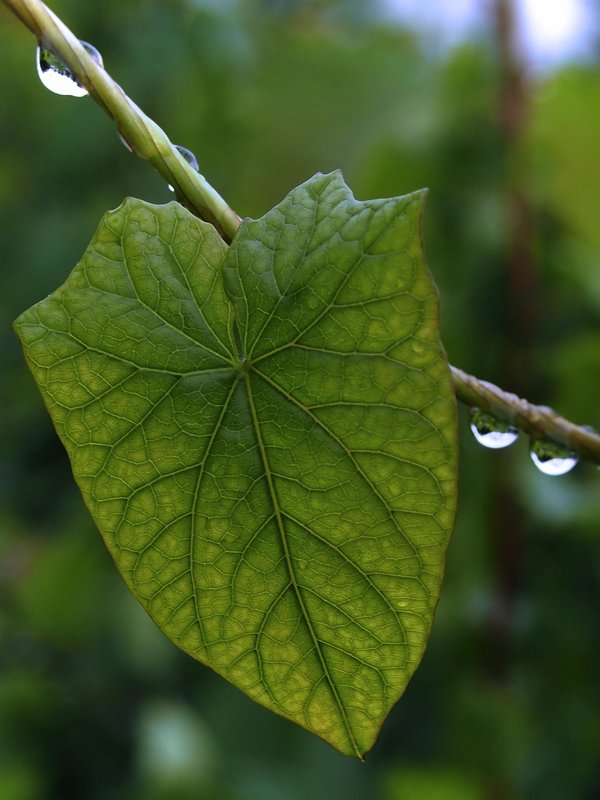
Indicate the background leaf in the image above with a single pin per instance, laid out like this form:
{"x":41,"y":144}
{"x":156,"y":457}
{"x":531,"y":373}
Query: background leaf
{"x":282,"y":510}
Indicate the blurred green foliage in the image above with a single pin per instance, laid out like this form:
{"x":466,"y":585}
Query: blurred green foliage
{"x":93,"y":702}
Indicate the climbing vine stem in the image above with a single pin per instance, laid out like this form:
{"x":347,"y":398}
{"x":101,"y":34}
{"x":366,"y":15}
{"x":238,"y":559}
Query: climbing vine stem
{"x":540,"y":422}
{"x":143,"y":135}
{"x":149,"y":141}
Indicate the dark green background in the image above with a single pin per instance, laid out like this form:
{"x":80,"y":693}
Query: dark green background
{"x":94,"y":703}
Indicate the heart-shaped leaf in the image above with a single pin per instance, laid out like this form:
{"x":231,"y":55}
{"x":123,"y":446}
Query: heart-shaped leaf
{"x":265,"y":436}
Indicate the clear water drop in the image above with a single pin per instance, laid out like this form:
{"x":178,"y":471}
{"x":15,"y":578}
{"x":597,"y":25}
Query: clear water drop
{"x":552,"y":459}
{"x":492,"y":432}
{"x":56,"y":76}
{"x":125,"y":143}
{"x":189,"y":157}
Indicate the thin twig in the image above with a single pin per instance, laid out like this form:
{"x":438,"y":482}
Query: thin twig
{"x":539,"y":422}
{"x":150,"y":142}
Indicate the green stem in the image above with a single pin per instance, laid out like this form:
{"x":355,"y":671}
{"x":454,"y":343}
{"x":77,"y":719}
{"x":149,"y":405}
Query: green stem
{"x":150,"y":142}
{"x":143,"y":135}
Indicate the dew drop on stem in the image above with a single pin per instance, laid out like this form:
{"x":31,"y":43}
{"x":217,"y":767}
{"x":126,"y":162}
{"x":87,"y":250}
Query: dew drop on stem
{"x":125,"y":143}
{"x":56,"y":76}
{"x":189,"y":157}
{"x":552,"y":459}
{"x":491,"y":432}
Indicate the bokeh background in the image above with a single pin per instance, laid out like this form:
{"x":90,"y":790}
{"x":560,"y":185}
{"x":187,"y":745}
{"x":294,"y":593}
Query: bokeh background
{"x":498,"y":113}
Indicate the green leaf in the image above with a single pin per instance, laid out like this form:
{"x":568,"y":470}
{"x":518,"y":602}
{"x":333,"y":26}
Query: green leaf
{"x":266,"y":439}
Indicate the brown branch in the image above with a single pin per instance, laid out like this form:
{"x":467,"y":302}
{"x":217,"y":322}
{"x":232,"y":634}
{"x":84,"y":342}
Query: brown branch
{"x":540,"y":422}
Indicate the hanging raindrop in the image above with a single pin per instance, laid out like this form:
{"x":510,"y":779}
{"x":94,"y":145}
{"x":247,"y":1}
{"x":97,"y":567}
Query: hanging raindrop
{"x":189,"y":157}
{"x":492,"y":432}
{"x":124,"y":142}
{"x":56,"y":76}
{"x":552,"y":459}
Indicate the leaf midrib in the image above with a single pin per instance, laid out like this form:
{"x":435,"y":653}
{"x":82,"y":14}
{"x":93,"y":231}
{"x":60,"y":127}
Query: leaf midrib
{"x":291,"y":276}
{"x":290,"y":567}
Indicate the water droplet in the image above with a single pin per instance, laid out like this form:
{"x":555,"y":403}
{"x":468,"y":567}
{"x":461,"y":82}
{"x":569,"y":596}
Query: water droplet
{"x":552,"y":459}
{"x":189,"y":157}
{"x":492,"y":432}
{"x":56,"y":76}
{"x":125,"y":143}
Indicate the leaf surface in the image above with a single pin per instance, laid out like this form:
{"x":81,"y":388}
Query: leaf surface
{"x":265,"y":436}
